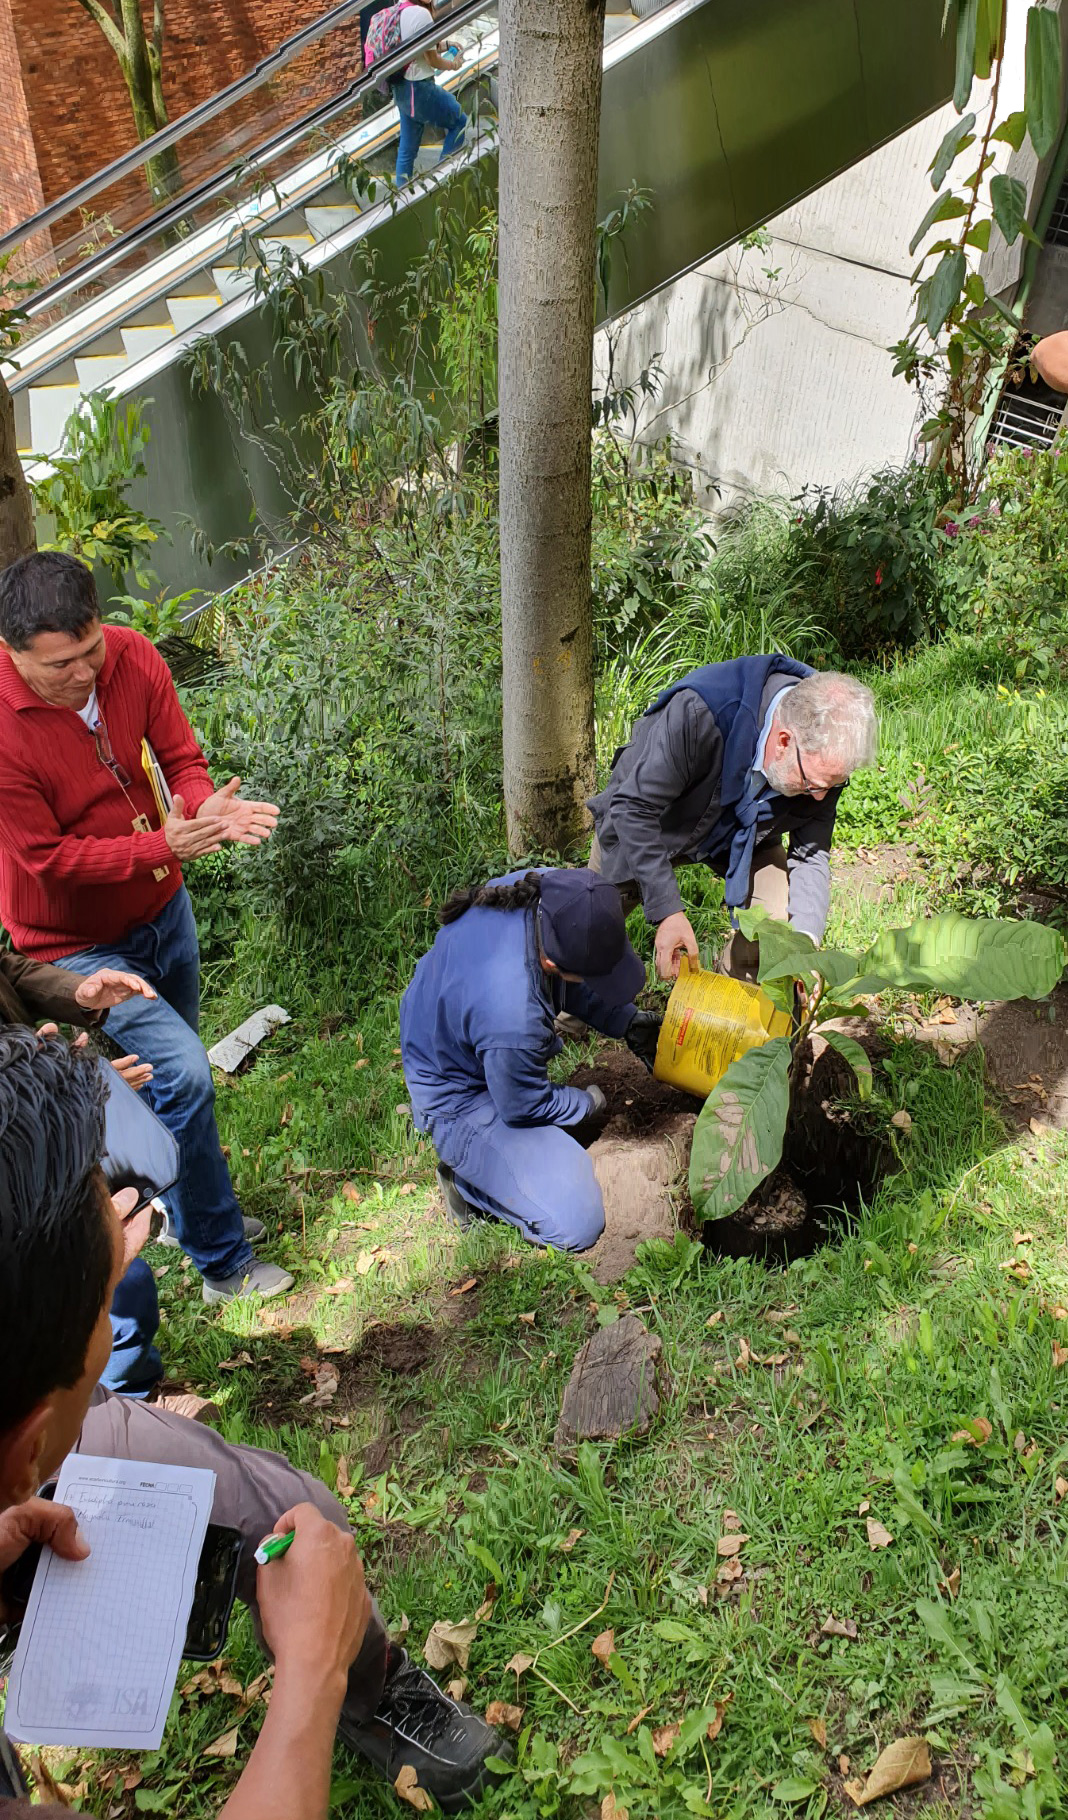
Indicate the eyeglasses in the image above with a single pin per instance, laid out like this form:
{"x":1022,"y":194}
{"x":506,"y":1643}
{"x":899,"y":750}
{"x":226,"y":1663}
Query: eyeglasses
{"x":107,"y":757}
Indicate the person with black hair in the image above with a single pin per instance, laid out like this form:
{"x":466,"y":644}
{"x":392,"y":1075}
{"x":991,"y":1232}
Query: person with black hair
{"x":91,"y":865}
{"x":478,"y":1029}
{"x":64,"y":1245}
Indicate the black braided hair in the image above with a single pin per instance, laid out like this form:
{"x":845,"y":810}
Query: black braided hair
{"x":523,"y":895}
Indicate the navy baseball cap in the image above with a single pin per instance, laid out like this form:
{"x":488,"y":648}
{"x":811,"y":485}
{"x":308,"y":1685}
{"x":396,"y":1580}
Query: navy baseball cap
{"x":584,"y":931}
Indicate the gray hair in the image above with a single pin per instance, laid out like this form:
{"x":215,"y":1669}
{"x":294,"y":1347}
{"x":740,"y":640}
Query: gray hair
{"x":834,"y":716}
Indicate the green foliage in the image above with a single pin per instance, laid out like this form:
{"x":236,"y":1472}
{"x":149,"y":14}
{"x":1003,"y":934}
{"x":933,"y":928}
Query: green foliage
{"x":85,"y":491}
{"x":958,"y":335}
{"x":1006,"y":579}
{"x":740,"y":1129}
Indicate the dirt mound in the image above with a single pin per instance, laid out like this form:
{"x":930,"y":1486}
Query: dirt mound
{"x":399,"y":1347}
{"x":637,"y":1104}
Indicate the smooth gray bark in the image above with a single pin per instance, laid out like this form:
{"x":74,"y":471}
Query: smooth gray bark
{"x":550,"y":106}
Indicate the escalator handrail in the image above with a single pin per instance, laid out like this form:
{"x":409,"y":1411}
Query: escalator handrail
{"x":218,"y":103}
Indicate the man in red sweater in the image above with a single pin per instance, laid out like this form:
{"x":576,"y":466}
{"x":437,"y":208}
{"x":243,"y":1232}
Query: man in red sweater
{"x":88,"y":875}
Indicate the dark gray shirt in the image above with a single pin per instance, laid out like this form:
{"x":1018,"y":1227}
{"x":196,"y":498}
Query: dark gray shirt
{"x":662,"y":802}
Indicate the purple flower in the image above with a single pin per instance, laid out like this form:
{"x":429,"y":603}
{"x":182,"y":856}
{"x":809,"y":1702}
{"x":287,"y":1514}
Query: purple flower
{"x":951,"y":528}
{"x":972,"y":522}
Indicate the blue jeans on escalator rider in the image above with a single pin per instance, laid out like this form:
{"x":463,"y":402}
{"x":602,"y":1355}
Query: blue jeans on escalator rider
{"x":421,"y":104}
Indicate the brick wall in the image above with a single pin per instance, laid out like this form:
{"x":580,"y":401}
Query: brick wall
{"x":65,"y":109}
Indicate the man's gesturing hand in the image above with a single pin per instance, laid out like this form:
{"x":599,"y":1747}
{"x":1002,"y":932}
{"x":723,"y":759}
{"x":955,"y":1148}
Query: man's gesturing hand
{"x":192,"y":839}
{"x":39,"y":1520}
{"x":246,"y":823}
{"x":674,"y":937}
{"x":314,"y":1606}
{"x":107,"y":987}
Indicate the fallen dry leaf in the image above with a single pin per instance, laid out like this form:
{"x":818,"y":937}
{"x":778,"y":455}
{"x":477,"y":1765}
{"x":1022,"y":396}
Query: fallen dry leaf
{"x":448,"y":1643}
{"x":343,"y":1286}
{"x":702,"y":1594}
{"x":844,"y":1765}
{"x":350,"y":1192}
{"x":900,"y":1765}
{"x":1060,"y":1486}
{"x":818,"y":1728}
{"x":977,"y":1433}
{"x":527,"y":1319}
{"x":1060,"y":1355}
{"x":789,"y":1335}
{"x":714,"y":1319}
{"x":1039,"y":1127}
{"x":485,"y":1610}
{"x":569,"y":1541}
{"x":408,"y":1188}
{"x":407,"y":1787}
{"x":365,"y":1263}
{"x":715,"y":1724}
{"x":1023,"y":1238}
{"x":839,"y":1627}
{"x":326,"y":1383}
{"x":259,"y":1689}
{"x":457,"y":1689}
{"x":864,"y":1507}
{"x":664,"y":1737}
{"x":519,"y":1664}
{"x":469,"y":1283}
{"x":498,"y":1712}
{"x":730,"y":1571}
{"x":235,"y":1364}
{"x":637,"y":1719}
{"x":226,"y":1746}
{"x":730,"y":1522}
{"x":364,"y":1062}
{"x":951,"y":1584}
{"x":744,"y":1355}
{"x":878,"y":1537}
{"x":902,"y":1119}
{"x":729,"y":1545}
{"x":604,"y":1645}
{"x":344,"y":1483}
{"x":610,"y":1810}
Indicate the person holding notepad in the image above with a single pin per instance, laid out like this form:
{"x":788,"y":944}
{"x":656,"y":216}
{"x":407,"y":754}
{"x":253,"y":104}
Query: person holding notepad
{"x":63,"y":1250}
{"x":104,"y":796}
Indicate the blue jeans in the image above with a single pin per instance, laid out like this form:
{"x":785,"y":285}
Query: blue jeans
{"x":135,"y":1366}
{"x":204,"y":1210}
{"x":535,"y":1177}
{"x":421,"y":104}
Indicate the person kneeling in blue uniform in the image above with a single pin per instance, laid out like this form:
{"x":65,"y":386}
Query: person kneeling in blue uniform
{"x":478,"y":1031}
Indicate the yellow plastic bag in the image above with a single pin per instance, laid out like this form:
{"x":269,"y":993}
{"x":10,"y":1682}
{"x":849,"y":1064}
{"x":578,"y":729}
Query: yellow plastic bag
{"x":709,"y":1022}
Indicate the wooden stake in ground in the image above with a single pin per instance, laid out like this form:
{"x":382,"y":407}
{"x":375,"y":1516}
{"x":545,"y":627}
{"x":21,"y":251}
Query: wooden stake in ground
{"x":550,"y":107}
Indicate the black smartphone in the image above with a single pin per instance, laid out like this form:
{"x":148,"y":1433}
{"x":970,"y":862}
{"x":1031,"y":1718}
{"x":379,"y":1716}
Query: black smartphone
{"x":139,"y":1151}
{"x":213,"y":1594}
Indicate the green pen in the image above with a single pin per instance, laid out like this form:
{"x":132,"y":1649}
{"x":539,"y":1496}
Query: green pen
{"x":272,"y":1548}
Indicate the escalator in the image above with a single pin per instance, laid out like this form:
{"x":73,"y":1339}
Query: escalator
{"x":726,"y":111}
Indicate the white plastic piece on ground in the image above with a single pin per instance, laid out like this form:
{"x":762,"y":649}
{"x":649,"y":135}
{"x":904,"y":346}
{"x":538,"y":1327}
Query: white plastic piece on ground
{"x":232,"y":1050}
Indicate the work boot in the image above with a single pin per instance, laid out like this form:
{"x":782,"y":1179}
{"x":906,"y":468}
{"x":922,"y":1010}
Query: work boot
{"x":444,"y":1741}
{"x":254,"y":1229}
{"x":459,"y":1210}
{"x":257,"y":1279}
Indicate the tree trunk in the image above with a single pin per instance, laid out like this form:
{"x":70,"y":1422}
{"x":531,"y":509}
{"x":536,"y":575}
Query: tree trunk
{"x":550,"y":108}
{"x":16,"y":504}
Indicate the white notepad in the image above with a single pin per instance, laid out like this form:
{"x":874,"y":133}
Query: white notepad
{"x":101,"y":1641}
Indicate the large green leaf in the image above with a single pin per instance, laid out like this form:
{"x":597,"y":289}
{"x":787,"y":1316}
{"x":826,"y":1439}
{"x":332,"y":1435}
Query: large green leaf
{"x":947,"y":151}
{"x":1008,"y":199}
{"x":737,"y":1140}
{"x":967,"y":11}
{"x":1042,"y":78}
{"x":944,"y":289}
{"x":946,"y":207}
{"x":970,"y":957}
{"x":851,"y":1051}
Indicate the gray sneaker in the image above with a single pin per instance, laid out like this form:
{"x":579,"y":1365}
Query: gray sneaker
{"x":259,"y":1279}
{"x":255,"y":1231}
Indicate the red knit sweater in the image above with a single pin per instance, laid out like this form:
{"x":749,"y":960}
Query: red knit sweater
{"x":72,"y":871}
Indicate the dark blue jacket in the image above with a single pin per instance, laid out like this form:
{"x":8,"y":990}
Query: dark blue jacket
{"x":478,"y":1018}
{"x":677,"y":793}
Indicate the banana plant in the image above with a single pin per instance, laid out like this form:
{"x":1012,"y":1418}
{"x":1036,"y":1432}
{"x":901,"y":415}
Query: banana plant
{"x":739,"y":1135}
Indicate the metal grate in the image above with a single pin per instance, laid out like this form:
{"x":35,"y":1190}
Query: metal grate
{"x":1057,"y":231}
{"x":1026,"y":421}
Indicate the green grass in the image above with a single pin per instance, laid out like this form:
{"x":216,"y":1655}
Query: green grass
{"x":894,"y":1339}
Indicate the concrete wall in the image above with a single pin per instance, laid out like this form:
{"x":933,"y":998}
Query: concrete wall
{"x":775,"y":363}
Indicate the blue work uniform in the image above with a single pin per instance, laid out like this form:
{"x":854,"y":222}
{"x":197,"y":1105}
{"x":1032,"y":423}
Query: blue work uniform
{"x":477,"y":1033}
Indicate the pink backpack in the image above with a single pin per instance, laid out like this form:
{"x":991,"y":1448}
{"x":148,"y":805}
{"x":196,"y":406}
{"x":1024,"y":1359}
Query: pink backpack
{"x":384,"y":36}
